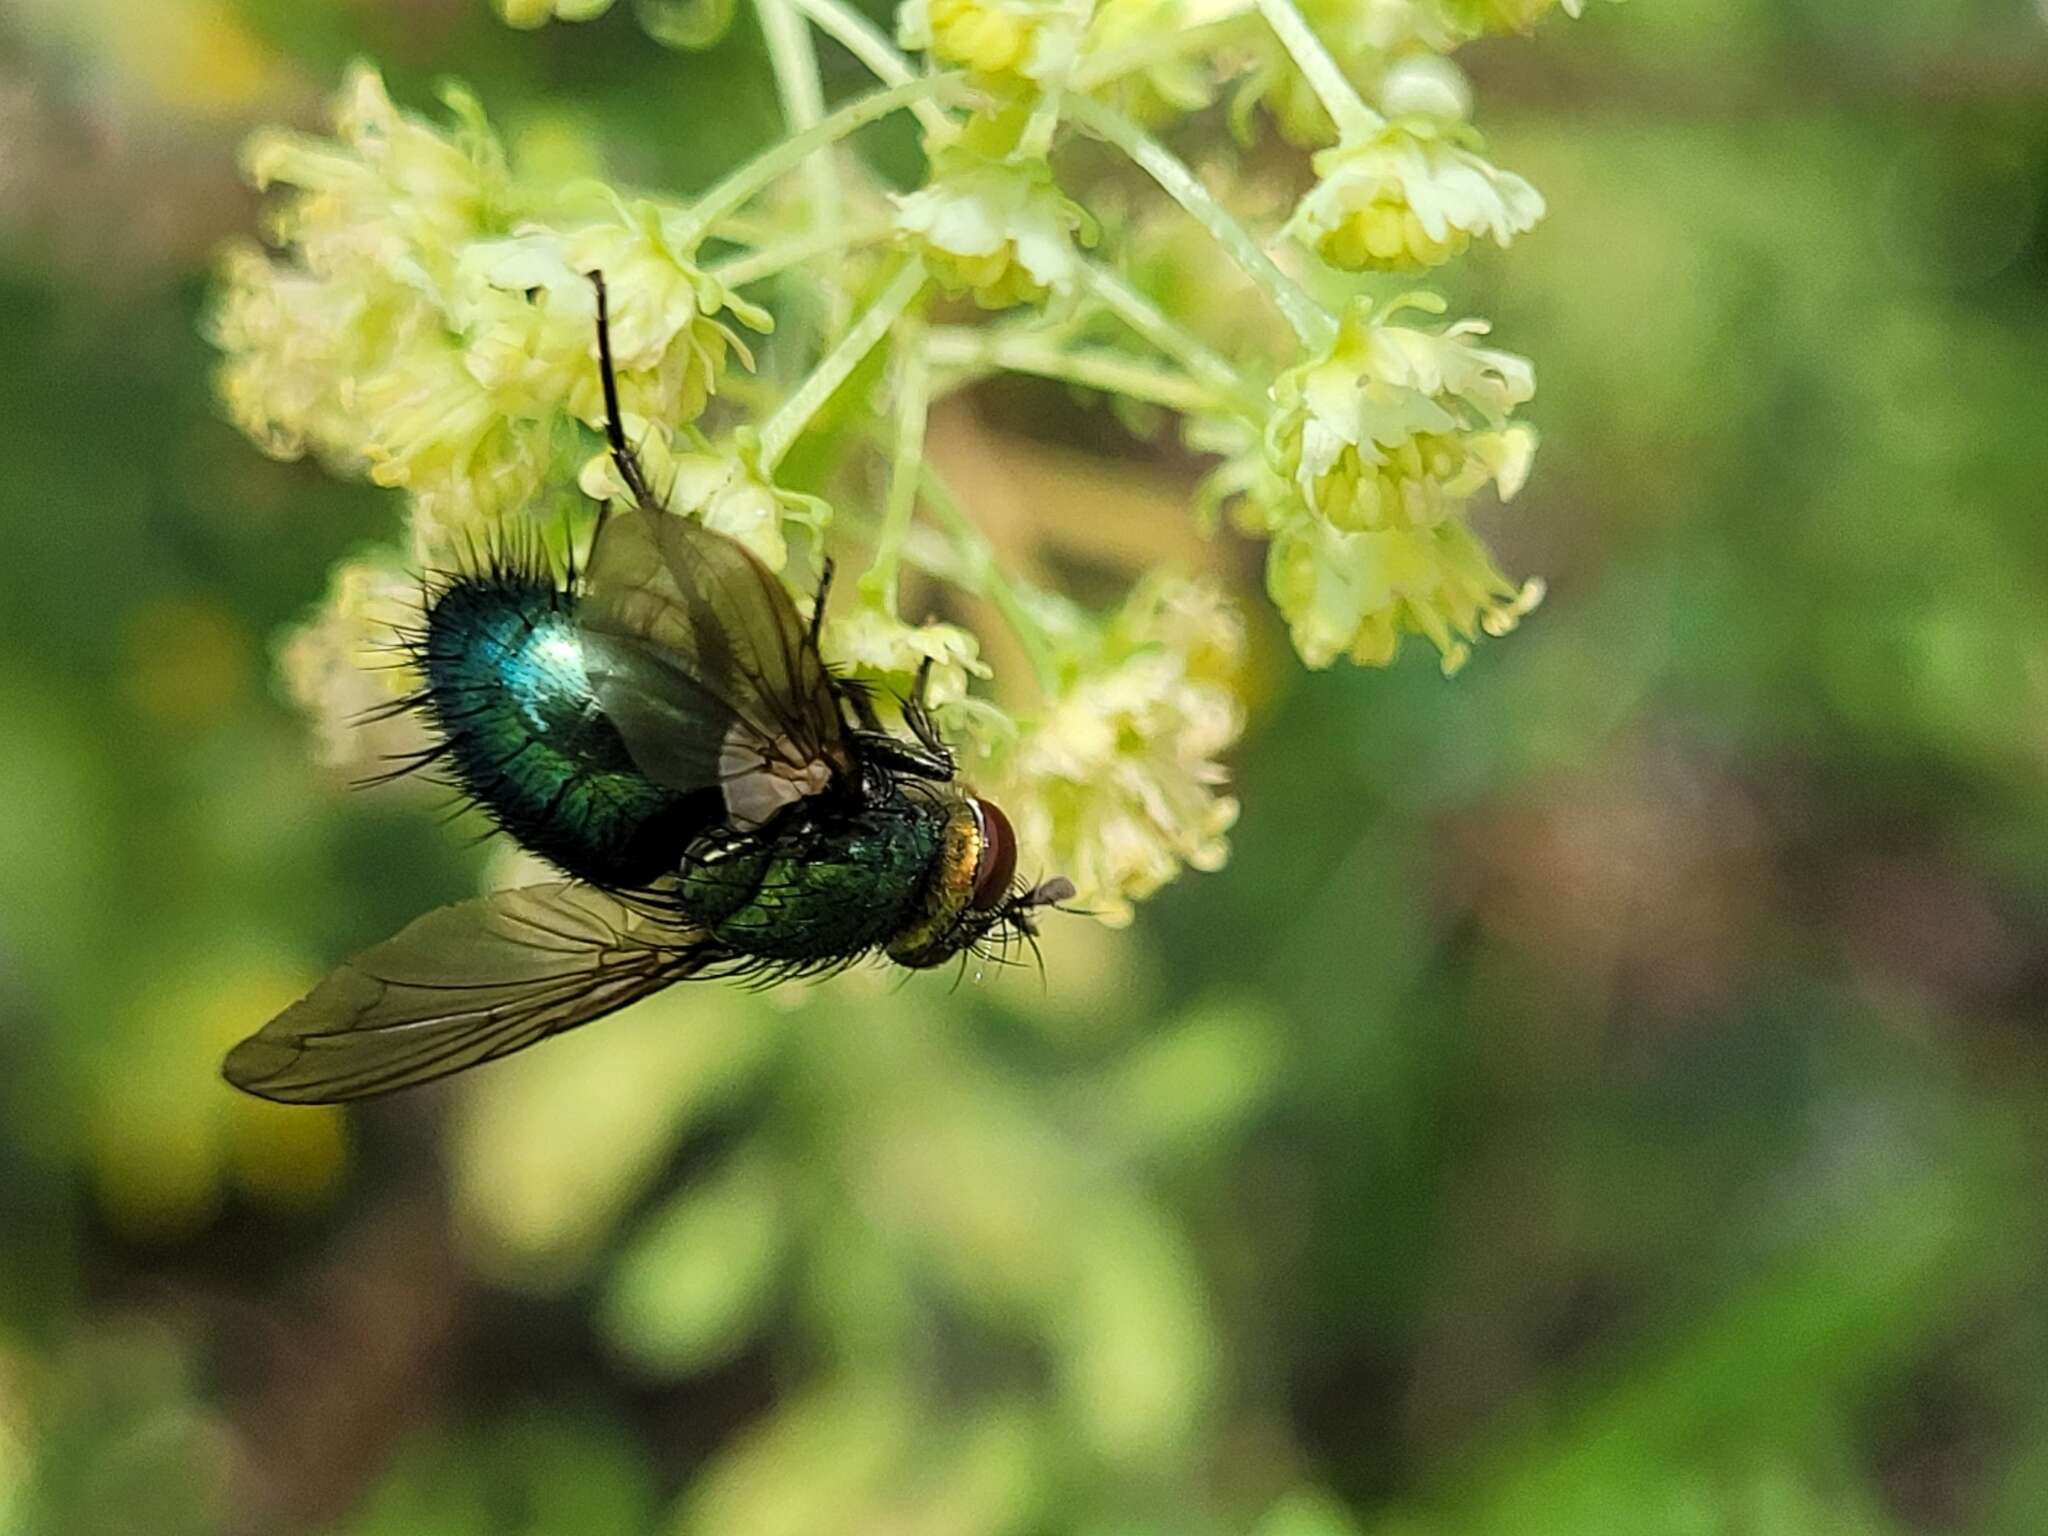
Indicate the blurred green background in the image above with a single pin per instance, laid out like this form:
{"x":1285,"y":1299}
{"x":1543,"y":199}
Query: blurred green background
{"x":1604,"y":1093}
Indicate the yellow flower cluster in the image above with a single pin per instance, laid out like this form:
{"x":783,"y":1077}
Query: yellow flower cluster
{"x":1117,"y":784}
{"x":425,"y":317}
{"x":1356,"y":594}
{"x":1371,"y":455}
{"x":428,"y":319}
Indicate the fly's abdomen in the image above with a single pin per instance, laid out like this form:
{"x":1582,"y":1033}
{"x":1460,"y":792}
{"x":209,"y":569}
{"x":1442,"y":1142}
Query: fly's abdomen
{"x":526,"y":740}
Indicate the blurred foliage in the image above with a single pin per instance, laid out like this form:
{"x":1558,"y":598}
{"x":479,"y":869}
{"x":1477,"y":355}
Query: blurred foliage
{"x":1602,"y":1095}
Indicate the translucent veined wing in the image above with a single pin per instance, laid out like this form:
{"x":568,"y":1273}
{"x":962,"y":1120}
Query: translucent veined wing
{"x":464,"y":985}
{"x":697,"y":654}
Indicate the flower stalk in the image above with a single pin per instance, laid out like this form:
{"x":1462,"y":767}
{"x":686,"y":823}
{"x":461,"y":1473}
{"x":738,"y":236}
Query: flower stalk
{"x":1099,"y":368}
{"x":906,"y":463}
{"x":1310,"y":321}
{"x":1354,"y":119}
{"x":1174,"y":339}
{"x":780,"y":432}
{"x":749,"y":180}
{"x":867,"y":43}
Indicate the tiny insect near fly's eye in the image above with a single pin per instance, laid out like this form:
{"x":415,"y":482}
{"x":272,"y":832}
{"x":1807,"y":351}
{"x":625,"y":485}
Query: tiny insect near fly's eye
{"x":997,"y":865}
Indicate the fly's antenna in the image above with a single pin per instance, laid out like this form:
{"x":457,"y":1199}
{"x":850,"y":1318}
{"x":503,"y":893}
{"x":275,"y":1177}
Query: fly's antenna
{"x":614,"y":423}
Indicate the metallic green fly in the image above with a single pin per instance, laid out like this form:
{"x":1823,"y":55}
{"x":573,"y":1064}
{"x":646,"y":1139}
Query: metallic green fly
{"x":663,"y":730}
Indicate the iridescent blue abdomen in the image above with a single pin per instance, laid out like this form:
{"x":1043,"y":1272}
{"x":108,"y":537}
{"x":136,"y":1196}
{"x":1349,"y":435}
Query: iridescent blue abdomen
{"x":525,"y":738}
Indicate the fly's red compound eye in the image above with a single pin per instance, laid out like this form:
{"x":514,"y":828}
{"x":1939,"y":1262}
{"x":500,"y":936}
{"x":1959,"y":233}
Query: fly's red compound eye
{"x":997,"y":865}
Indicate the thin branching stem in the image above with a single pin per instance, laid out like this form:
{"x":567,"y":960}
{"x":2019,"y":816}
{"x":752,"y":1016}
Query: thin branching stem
{"x":1174,"y":339}
{"x":867,"y":43}
{"x":782,"y":429}
{"x":1311,"y":322}
{"x":771,"y":260}
{"x":906,"y":464}
{"x":1340,"y":98}
{"x":980,"y":351}
{"x":750,"y":179}
{"x":984,"y":577}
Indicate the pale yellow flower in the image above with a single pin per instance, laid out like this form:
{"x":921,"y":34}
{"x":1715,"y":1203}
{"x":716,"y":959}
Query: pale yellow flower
{"x":527,"y":311}
{"x":993,"y":226}
{"x":1355,"y":594}
{"x":1117,"y":784}
{"x":1171,"y":84}
{"x":389,"y":192}
{"x":723,"y":488}
{"x":429,"y":424}
{"x":1396,"y":424}
{"x":1408,"y":198}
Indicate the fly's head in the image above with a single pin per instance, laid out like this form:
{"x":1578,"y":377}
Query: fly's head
{"x":973,"y":902}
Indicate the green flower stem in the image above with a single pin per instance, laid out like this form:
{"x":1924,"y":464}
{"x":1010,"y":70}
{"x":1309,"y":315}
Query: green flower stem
{"x":1311,"y":322}
{"x":984,"y":578}
{"x":1354,"y":119}
{"x":787,"y":424}
{"x":867,"y":43}
{"x":770,"y":260}
{"x":801,"y":90}
{"x":913,"y":400}
{"x":1175,"y":340}
{"x":1093,"y":367}
{"x":732,"y":193}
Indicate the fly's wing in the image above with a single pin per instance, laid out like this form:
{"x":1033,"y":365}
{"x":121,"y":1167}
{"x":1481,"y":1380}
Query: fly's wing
{"x":464,"y":985}
{"x":697,"y":655}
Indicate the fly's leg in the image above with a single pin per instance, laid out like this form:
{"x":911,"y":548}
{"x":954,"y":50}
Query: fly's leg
{"x":614,"y":424}
{"x":818,"y":609}
{"x":918,"y":716}
{"x":925,"y":757}
{"x":864,"y":709}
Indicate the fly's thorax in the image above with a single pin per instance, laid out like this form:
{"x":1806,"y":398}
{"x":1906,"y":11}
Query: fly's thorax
{"x":819,"y":883}
{"x":969,"y":881}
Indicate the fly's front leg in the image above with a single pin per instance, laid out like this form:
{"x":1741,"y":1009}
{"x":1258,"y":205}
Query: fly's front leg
{"x":623,"y":457}
{"x":924,"y":758}
{"x":917,"y":716}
